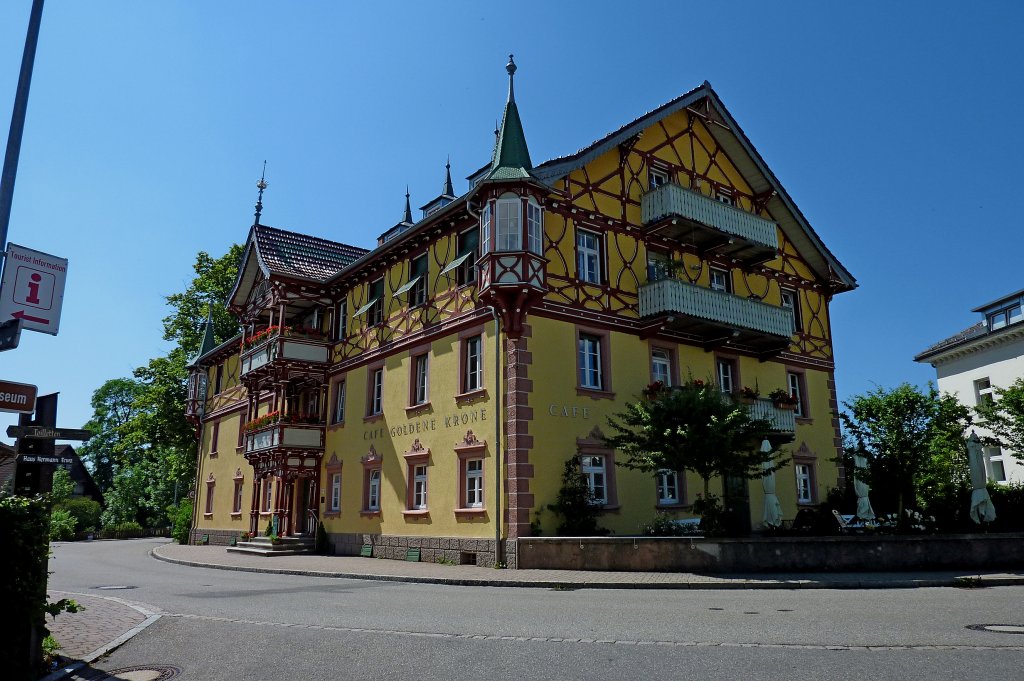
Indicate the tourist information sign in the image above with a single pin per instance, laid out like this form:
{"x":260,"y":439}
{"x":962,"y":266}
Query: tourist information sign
{"x":18,"y":397}
{"x":32,"y":289}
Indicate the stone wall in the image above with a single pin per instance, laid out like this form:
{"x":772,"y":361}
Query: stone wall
{"x":774,"y":554}
{"x":217,"y":537}
{"x":456,"y":550}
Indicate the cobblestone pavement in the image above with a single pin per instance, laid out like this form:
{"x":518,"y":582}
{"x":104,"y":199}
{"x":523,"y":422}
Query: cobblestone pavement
{"x":103,"y":622}
{"x":396,"y":570}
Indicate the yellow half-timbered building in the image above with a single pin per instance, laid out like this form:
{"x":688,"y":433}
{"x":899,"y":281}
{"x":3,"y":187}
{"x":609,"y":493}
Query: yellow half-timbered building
{"x":427,"y":393}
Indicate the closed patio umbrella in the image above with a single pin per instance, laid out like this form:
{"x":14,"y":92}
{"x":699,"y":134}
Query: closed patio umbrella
{"x":772,"y":507}
{"x":981,"y":503}
{"x":864,"y":510}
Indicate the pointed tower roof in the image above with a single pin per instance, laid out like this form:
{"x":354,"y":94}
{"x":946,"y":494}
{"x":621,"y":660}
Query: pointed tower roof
{"x":448,"y":190}
{"x":209,"y":343}
{"x":407,"y":218}
{"x":511,"y":158}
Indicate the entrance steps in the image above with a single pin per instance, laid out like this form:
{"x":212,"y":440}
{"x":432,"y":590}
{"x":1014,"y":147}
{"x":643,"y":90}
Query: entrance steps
{"x":262,"y":546}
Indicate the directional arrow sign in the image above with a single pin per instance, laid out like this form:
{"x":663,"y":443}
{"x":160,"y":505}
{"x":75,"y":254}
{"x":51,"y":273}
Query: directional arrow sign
{"x":32,"y":289}
{"x":47,"y":433}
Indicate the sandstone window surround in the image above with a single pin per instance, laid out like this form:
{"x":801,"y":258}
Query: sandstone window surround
{"x":471,"y":453}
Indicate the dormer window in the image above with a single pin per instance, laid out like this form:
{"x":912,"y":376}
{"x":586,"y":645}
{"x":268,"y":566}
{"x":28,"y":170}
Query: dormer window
{"x":501,"y":225}
{"x":1009,"y":315}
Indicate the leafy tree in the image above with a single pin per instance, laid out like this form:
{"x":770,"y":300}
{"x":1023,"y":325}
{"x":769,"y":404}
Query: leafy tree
{"x":691,"y":427}
{"x":575,"y":503}
{"x":114,"y":407}
{"x":145,"y":449}
{"x":62,"y":486}
{"x":913,"y":440}
{"x":1004,"y":416}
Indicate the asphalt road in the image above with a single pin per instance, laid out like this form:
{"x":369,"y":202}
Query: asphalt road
{"x":232,"y":625}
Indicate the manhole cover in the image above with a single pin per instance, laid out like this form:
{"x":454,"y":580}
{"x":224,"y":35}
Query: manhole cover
{"x":113,"y":587}
{"x":142,"y":672}
{"x":998,"y":628}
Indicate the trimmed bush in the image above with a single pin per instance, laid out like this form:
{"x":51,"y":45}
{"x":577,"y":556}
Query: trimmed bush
{"x":85,"y":511}
{"x":62,"y":525}
{"x":182,"y":517}
{"x":128,"y":530}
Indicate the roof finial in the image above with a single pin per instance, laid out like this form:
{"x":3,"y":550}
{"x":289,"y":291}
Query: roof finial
{"x":511,"y":68}
{"x":261,"y":185}
{"x":449,"y":190}
{"x":408,"y":209}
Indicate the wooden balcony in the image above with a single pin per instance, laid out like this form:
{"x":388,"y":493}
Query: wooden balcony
{"x":291,"y":352}
{"x":280,"y":449}
{"x":716,"y":317}
{"x":783,"y":420}
{"x":710,"y":225}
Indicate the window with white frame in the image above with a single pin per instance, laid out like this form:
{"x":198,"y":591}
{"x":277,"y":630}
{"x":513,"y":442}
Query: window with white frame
{"x":720,"y":280}
{"x":726,"y":369}
{"x":486,"y":228}
{"x":467,"y":246}
{"x":209,"y":495}
{"x":339,"y":402}
{"x":377,"y":392}
{"x":509,"y":233}
{"x":1008,"y":315}
{"x":668,"y":488}
{"x":473,"y":364}
{"x":336,"y":492}
{"x":995,"y":466}
{"x":804,"y":483}
{"x":589,"y":360}
{"x":983,"y":391}
{"x":796,"y":390}
{"x":593,"y":469}
{"x":474,"y":483}
{"x":724,"y":196}
{"x":420,"y":378}
{"x":342,"y":331}
{"x":373,"y":490}
{"x":419,"y":487}
{"x":656,"y":177}
{"x":418,"y":273}
{"x":236,"y":505}
{"x":268,"y":495}
{"x":588,"y":256}
{"x":534,"y":227}
{"x":661,"y":366}
{"x":790,"y":301}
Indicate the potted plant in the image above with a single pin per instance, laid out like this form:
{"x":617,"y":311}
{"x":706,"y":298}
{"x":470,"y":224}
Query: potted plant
{"x":782,"y":399}
{"x":747,"y":395}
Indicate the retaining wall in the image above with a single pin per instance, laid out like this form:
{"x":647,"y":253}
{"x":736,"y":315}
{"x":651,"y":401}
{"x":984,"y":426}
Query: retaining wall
{"x":774,"y":554}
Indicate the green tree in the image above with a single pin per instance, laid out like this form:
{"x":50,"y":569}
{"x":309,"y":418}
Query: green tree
{"x":62,"y":486}
{"x":1004,"y":416}
{"x":145,"y":443}
{"x":114,"y":407}
{"x":575,"y":503}
{"x":913,"y":441}
{"x":691,"y":427}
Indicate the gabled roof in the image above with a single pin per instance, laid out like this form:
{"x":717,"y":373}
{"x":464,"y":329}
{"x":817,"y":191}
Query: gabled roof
{"x":747,"y":160}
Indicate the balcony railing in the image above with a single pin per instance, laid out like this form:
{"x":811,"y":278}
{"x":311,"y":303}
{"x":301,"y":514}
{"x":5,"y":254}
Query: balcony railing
{"x":782,"y":420}
{"x":284,"y":437}
{"x":681,"y":213}
{"x":716,"y":314}
{"x":308,"y":351}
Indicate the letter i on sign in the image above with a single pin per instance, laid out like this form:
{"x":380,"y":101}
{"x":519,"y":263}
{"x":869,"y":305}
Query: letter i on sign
{"x":33,"y":289}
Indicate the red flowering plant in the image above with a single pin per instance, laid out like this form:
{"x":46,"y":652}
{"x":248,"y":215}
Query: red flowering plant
{"x":264,"y":421}
{"x":781,"y":398}
{"x":652,"y":389}
{"x":748,"y":393}
{"x":261,"y":336}
{"x":298,"y":417}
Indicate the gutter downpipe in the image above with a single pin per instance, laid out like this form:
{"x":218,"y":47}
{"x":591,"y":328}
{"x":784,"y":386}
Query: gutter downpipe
{"x":498,"y":554}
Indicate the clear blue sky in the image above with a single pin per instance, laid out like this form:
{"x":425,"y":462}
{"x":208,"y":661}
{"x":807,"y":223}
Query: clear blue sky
{"x":896,"y":127}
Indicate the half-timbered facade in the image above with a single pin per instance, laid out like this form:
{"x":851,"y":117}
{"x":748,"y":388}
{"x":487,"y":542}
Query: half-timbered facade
{"x":428,"y":392}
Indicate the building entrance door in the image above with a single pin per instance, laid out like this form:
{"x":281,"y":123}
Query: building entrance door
{"x":737,"y":500}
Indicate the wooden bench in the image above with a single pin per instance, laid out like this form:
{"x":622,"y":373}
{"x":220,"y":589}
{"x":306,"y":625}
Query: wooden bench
{"x":366,"y":551}
{"x":413,"y":555}
{"x":204,"y":540}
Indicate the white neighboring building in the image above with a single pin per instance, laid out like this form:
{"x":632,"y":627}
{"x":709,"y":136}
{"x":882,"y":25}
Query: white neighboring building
{"x":982,"y":357}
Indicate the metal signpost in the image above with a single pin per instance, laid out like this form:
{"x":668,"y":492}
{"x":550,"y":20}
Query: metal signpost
{"x":32,"y":289}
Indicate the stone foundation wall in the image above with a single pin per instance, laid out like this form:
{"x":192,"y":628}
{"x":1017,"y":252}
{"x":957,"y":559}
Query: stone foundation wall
{"x":217,"y":537}
{"x":774,"y":554}
{"x":456,"y":550}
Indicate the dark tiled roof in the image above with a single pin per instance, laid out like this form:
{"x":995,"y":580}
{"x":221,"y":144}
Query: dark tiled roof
{"x":299,"y":255}
{"x":970,"y":333}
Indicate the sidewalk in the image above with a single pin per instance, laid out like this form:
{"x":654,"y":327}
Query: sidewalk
{"x":470,"y":575}
{"x":103,"y":624}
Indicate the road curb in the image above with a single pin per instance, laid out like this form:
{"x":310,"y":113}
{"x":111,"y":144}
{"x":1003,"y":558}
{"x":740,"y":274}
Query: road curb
{"x":151,"y":617}
{"x":908,"y":583}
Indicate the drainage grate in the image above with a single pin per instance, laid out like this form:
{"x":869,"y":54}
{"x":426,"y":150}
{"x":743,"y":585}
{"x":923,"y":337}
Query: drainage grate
{"x":114,"y":587}
{"x":998,"y":628}
{"x":142,"y":672}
